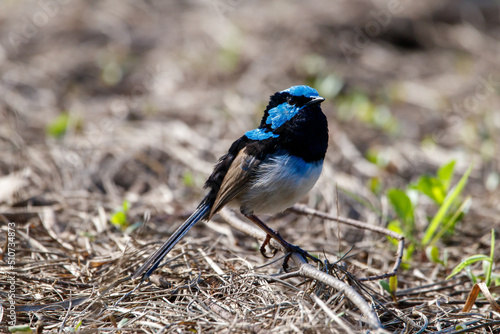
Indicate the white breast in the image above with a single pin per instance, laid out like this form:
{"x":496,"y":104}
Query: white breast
{"x":279,"y":184}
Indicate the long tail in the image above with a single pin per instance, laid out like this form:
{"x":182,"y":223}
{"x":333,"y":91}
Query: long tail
{"x":201,"y":212}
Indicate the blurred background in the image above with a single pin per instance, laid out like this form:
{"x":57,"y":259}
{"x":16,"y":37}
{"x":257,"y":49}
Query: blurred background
{"x":124,"y":98}
{"x":124,"y":106}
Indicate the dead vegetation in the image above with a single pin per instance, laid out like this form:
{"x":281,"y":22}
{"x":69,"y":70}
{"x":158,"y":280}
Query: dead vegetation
{"x":154,"y":92}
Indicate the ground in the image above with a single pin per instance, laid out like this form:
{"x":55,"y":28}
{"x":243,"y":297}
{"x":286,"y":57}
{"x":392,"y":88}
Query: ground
{"x":114,"y":112}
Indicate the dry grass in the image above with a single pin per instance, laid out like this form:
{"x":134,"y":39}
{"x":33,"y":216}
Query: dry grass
{"x":157,"y":91}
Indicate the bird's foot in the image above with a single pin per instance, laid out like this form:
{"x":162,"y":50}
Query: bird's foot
{"x":290,"y":249}
{"x":271,"y":234}
{"x":263,"y":248}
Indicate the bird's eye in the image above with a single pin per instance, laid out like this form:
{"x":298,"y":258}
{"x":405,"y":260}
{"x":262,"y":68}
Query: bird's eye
{"x":290,"y":100}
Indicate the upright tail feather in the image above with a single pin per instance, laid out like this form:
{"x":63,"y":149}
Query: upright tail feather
{"x":201,"y":212}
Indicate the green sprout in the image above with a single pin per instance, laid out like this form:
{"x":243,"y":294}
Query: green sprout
{"x":489,"y":260}
{"x":60,"y":125}
{"x":119,"y":217}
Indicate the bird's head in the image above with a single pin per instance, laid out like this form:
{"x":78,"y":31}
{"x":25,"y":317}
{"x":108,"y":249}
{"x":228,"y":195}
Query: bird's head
{"x":282,"y":107}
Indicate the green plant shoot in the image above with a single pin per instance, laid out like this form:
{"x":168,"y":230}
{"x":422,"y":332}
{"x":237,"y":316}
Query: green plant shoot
{"x":479,"y":257}
{"x":119,"y":217}
{"x":443,"y":209}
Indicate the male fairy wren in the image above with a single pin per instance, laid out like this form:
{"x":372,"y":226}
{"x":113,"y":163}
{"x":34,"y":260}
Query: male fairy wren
{"x":267,"y":170}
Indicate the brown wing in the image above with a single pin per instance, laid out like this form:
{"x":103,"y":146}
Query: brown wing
{"x":236,"y":179}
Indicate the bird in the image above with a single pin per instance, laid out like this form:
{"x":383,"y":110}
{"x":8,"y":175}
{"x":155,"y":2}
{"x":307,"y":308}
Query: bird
{"x":265,"y":171}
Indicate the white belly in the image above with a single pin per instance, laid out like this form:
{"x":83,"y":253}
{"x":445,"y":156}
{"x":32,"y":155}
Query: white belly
{"x":280,"y":183}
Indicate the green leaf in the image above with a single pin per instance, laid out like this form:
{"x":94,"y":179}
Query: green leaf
{"x":385,"y":286}
{"x":492,"y":245}
{"x":395,"y":226}
{"x":372,"y":156}
{"x":402,"y":205}
{"x":188,"y":179}
{"x":489,"y":268}
{"x":449,"y":200}
{"x":467,"y":262}
{"x":375,"y":185}
{"x":393,"y":284}
{"x":57,"y":128}
{"x":390,"y":286}
{"x":433,"y":254}
{"x":450,"y":222}
{"x":119,"y":219}
{"x":445,"y":174}
{"x":432,"y":187}
{"x":408,"y":253}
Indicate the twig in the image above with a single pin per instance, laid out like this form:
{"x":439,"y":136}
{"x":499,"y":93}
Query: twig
{"x":426,"y":321}
{"x":332,"y":315}
{"x":433,"y":287}
{"x":48,"y":280}
{"x":304,"y":209}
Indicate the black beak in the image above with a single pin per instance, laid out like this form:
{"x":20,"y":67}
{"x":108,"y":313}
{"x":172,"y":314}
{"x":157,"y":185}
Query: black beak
{"x":315,"y":100}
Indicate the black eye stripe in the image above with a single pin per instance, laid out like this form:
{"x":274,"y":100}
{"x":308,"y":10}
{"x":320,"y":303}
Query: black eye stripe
{"x":297,"y":100}
{"x":280,"y":98}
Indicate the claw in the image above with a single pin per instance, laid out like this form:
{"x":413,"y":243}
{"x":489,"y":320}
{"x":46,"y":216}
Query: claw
{"x":296,"y":249}
{"x":285,"y":262}
{"x":263,"y":248}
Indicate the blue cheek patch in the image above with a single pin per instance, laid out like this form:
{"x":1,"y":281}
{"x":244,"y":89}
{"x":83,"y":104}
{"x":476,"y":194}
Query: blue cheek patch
{"x":281,"y":114}
{"x":260,"y":134}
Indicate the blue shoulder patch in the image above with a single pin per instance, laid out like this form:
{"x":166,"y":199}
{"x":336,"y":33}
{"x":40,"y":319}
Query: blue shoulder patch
{"x":260,"y":134}
{"x":301,"y":91}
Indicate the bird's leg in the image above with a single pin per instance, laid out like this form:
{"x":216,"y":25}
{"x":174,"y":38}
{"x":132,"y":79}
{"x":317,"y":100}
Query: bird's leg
{"x":276,"y":236}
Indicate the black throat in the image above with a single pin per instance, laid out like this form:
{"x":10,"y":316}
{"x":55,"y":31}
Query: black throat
{"x":306,"y":134}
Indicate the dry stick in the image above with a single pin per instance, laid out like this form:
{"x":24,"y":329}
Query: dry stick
{"x":306,"y":269}
{"x":332,"y":315}
{"x":48,"y":280}
{"x":304,"y":209}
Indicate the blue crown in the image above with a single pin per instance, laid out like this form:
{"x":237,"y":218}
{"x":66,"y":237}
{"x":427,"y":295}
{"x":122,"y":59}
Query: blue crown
{"x":301,"y":91}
